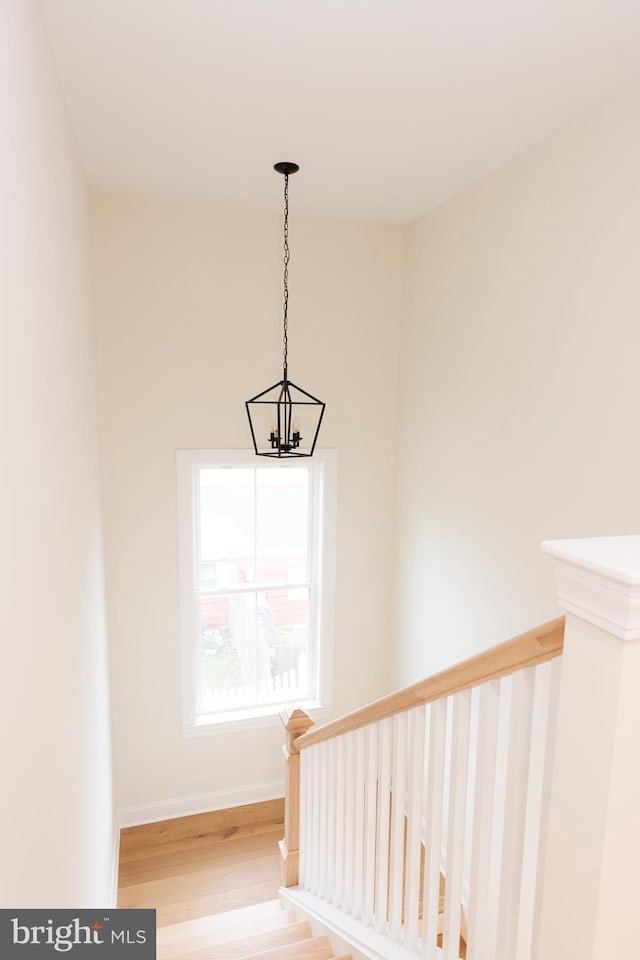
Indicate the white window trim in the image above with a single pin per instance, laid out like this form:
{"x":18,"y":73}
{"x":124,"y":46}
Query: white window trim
{"x":325,"y":465}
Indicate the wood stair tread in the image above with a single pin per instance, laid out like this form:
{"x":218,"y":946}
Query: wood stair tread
{"x":262,"y":931}
{"x":315,"y":948}
{"x":222,"y":927}
{"x":251,"y":943}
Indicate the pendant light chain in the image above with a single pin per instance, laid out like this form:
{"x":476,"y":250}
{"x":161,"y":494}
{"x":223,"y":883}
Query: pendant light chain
{"x":286,"y":272}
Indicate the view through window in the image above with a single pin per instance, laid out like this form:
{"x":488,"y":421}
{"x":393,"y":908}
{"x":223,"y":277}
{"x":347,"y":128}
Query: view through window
{"x":254,"y":585}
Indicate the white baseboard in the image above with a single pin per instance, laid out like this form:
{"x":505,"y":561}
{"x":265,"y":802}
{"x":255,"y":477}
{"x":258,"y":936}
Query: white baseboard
{"x":199,"y":803}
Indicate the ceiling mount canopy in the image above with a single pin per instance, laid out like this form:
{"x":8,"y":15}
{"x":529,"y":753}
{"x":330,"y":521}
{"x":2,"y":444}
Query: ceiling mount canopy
{"x":286,"y":167}
{"x":284,"y":419}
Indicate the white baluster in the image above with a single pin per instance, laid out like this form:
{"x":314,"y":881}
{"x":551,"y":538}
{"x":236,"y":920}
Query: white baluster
{"x":349,"y":820}
{"x":303,"y":818}
{"x":398,"y":807}
{"x":414,"y":826}
{"x":360,"y":818}
{"x":326,"y":808}
{"x":433,"y":839}
{"x":520,"y":722}
{"x":456,"y":826}
{"x":371,"y":823}
{"x":314,"y":871}
{"x":340,"y":791}
{"x":382,"y":843}
{"x":478,"y":912}
{"x":337,"y":816}
{"x":553,"y":697}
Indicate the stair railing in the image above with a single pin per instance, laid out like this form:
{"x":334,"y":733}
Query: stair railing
{"x":419,"y":816}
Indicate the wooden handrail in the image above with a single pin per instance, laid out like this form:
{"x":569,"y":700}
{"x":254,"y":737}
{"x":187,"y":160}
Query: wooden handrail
{"x":527,"y":650}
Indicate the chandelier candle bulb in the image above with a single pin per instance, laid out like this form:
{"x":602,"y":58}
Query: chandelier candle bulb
{"x":284,"y":436}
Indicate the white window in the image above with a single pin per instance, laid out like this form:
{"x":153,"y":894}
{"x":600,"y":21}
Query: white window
{"x":257,"y":548}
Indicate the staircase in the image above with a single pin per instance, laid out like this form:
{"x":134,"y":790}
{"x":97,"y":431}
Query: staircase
{"x":265,"y":931}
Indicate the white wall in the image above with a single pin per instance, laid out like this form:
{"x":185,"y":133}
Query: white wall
{"x":520,"y":361}
{"x":188,"y":304}
{"x":56,"y":825}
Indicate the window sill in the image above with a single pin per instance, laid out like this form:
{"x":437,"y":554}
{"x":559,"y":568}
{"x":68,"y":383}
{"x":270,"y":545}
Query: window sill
{"x":250,"y":719}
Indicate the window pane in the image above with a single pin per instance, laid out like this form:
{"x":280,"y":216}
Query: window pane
{"x":290,"y":649}
{"x":227,"y":527}
{"x":282,"y":522}
{"x":254,"y":648}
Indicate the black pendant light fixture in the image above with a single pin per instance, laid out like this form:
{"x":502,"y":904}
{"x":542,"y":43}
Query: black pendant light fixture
{"x":285,"y":419}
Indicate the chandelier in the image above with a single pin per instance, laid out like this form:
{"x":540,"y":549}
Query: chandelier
{"x":285,"y":419}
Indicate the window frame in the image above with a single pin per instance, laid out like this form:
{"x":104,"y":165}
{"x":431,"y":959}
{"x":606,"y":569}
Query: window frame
{"x":322,"y":549}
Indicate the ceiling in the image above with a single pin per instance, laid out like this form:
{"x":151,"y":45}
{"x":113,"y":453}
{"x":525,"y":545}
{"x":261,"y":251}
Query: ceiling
{"x":389,"y":106}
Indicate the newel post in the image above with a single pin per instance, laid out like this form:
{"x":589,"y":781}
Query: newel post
{"x":591,"y":848}
{"x":295,"y":722}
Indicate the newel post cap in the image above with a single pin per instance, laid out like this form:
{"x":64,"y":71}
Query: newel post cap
{"x":599,"y":581}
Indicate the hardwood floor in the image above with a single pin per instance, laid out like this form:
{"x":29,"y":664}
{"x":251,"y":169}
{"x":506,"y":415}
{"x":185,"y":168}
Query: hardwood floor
{"x":197,"y":866}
